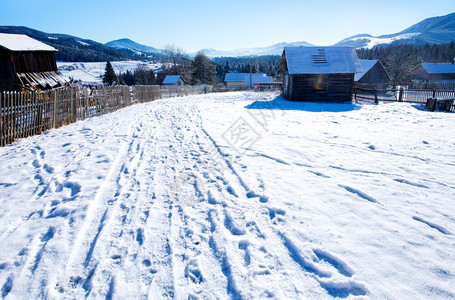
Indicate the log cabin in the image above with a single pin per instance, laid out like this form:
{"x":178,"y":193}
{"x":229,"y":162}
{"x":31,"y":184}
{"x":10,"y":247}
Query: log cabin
{"x":323,"y":74}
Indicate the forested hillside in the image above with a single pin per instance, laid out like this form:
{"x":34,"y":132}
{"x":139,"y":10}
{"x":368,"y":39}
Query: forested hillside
{"x":71,"y":48}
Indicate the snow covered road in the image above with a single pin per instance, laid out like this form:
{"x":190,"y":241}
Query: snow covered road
{"x":234,"y":195}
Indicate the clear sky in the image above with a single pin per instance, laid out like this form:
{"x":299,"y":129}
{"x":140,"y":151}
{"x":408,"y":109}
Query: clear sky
{"x":223,"y":25}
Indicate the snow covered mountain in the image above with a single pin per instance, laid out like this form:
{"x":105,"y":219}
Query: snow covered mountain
{"x":276,"y":49}
{"x":132,"y":46}
{"x":437,"y":30}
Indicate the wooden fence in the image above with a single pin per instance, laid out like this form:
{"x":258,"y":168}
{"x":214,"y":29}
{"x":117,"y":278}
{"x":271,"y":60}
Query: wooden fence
{"x":31,"y":113}
{"x":400,"y":94}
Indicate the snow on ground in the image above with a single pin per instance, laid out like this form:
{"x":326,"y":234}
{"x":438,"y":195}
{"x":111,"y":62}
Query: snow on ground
{"x":235,"y":195}
{"x":92,"y":72}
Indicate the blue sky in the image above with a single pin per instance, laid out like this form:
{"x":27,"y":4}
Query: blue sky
{"x":223,"y":25}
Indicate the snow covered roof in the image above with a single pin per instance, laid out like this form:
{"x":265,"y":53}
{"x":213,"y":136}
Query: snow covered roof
{"x":245,"y":77}
{"x":439,"y":68}
{"x":21,"y":42}
{"x":320,"y":60}
{"x":171,"y":79}
{"x":366,"y":66}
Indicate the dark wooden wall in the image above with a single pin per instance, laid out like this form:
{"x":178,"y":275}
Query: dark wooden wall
{"x":34,"y":61}
{"x":304,"y":87}
{"x":7,"y":74}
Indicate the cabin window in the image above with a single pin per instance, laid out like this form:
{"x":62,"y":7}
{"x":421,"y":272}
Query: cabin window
{"x":321,"y":83}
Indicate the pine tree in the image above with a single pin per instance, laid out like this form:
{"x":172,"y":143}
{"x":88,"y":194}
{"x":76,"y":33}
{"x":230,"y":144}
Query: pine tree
{"x":109,"y":74}
{"x":203,"y":70}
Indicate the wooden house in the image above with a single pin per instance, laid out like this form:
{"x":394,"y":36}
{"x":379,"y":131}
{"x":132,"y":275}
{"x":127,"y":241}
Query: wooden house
{"x":433,"y":72}
{"x":373,"y":74}
{"x":176,"y":80}
{"x":27,"y":63}
{"x":319,"y":73}
{"x":233,"y":80}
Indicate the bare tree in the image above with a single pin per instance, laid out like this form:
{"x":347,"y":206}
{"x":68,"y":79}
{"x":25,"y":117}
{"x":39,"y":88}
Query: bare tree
{"x":399,"y":62}
{"x":175,"y":56}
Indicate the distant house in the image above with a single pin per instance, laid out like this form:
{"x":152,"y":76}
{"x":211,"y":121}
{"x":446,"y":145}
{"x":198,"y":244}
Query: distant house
{"x":433,"y":72}
{"x":173,"y":80}
{"x":27,"y":63}
{"x":319,"y":73}
{"x":373,"y":74}
{"x":233,"y":80}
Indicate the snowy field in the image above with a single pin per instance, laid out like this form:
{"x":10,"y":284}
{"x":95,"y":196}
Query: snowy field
{"x":233,"y":196}
{"x":92,"y":72}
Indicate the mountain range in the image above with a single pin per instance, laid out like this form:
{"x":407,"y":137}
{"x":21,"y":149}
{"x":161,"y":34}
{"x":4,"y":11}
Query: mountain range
{"x":436,"y":30}
{"x":439,"y":30}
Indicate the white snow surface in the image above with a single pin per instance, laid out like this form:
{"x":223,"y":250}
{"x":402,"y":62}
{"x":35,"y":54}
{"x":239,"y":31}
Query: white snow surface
{"x":234,"y":195}
{"x":22,"y":42}
{"x":92,"y":72}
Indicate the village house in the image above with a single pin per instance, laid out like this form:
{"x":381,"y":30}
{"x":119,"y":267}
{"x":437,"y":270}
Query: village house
{"x":236,"y":80}
{"x":319,"y":73}
{"x":434,"y":72}
{"x":373,"y":74}
{"x":26,"y":63}
{"x":176,"y":80}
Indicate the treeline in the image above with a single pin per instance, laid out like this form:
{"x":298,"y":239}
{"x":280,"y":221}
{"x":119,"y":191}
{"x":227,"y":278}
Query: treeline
{"x":399,"y":60}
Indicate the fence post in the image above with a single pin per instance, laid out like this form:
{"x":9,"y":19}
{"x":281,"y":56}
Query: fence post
{"x":434,"y":93}
{"x":54,"y":95}
{"x":376,"y":96}
{"x":400,"y":94}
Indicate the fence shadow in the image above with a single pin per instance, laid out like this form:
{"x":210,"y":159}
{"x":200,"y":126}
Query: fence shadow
{"x":279,"y":103}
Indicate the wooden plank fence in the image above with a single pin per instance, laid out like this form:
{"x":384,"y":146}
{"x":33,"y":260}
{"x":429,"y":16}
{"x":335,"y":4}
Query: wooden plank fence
{"x":400,"y":94}
{"x":31,"y":113}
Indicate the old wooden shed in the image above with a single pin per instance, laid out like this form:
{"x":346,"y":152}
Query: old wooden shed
{"x":434,"y":72}
{"x":373,"y":74}
{"x":27,"y":63}
{"x":233,"y":80}
{"x":319,"y":73}
{"x":176,"y":80}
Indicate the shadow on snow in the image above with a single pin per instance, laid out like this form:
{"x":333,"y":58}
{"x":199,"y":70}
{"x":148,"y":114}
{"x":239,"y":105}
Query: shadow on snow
{"x":279,"y":103}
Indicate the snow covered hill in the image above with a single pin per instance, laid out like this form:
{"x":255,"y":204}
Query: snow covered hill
{"x":92,"y":72}
{"x":231,"y":196}
{"x":132,"y":46}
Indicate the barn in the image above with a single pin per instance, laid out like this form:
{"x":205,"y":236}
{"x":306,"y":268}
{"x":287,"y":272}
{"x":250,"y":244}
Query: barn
{"x":27,"y":63}
{"x":434,"y":72}
{"x":319,"y":73}
{"x":176,"y":80}
{"x":233,"y":80}
{"x":373,"y":74}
